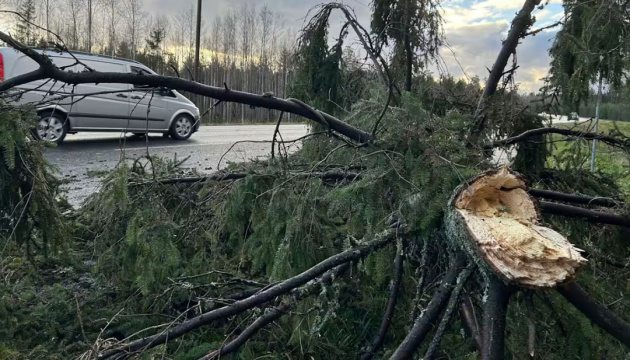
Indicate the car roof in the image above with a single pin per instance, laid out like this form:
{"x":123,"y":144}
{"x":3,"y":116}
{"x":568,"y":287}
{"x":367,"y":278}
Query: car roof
{"x":82,"y":55}
{"x":90,"y":56}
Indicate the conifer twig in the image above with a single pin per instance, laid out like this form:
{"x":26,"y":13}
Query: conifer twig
{"x":275,"y":313}
{"x":596,"y":312}
{"x":437,"y":338}
{"x":378,"y":241}
{"x":391,"y":304}
{"x":424,"y":323}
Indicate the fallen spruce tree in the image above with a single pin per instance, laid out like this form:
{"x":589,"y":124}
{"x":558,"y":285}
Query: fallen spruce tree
{"x":420,"y":248}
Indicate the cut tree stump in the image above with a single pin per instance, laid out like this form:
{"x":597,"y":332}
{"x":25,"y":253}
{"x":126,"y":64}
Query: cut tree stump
{"x":497,"y":222}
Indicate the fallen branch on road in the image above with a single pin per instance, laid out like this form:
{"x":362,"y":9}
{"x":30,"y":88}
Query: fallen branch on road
{"x":48,"y":70}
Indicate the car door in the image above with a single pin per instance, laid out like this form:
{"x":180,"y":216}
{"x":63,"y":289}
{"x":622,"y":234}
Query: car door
{"x":148,"y":107}
{"x":107,"y":105}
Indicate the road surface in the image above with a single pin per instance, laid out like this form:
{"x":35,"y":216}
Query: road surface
{"x":83,"y":158}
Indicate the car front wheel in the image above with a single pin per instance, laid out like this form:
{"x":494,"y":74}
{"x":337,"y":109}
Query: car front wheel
{"x":52,"y":127}
{"x":182,"y":127}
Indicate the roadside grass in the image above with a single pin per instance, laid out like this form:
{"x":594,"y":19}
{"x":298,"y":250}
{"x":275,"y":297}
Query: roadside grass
{"x":576,"y":154}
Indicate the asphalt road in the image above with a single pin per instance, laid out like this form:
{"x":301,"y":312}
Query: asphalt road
{"x":83,"y":158}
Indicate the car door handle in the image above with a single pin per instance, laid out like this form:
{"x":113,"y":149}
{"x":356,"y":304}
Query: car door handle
{"x":136,"y":97}
{"x":122,"y":96}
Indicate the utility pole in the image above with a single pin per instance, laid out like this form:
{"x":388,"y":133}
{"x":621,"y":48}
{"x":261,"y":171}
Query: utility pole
{"x":198,"y":40}
{"x":47,"y":21}
{"x":89,"y":44}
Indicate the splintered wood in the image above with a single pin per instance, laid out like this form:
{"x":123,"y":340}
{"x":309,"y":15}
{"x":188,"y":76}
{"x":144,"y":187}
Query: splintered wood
{"x":502,"y":221}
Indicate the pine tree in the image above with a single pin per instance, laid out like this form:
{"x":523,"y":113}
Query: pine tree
{"x":24,"y":30}
{"x":591,"y":45}
{"x":414,"y":27}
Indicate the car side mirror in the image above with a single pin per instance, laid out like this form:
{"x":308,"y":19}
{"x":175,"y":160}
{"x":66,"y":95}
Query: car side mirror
{"x":165,"y":91}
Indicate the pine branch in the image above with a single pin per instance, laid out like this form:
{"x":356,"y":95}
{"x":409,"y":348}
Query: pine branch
{"x":328,"y":175}
{"x":424,"y":323}
{"x":596,"y":312}
{"x":274,"y":314}
{"x":282,"y":288}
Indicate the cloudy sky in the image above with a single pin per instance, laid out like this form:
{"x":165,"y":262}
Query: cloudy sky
{"x":474,"y":30}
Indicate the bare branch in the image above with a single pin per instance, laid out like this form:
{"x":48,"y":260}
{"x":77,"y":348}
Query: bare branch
{"x":391,"y":304}
{"x":539,"y":30}
{"x":452,"y":303}
{"x":616,"y":142}
{"x":494,"y":316}
{"x":423,"y":324}
{"x":578,"y":212}
{"x":575,"y":199}
{"x":284,"y":287}
{"x":596,"y":312}
{"x":470,"y":320}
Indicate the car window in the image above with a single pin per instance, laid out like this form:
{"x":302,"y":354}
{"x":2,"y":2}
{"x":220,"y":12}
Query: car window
{"x":67,"y":64}
{"x":139,"y":71}
{"x":103,"y":66}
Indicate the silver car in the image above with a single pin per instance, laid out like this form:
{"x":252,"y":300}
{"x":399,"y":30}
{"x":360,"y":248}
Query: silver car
{"x":65,"y":109}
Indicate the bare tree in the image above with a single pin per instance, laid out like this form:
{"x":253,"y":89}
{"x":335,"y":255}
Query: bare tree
{"x":112,"y":22}
{"x":134,"y":16}
{"x":74,"y":8}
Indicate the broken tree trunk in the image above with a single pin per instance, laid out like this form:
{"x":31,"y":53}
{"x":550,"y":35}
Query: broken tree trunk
{"x":497,"y":222}
{"x":520,"y":24}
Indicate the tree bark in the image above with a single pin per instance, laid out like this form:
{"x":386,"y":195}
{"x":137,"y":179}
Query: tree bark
{"x":596,"y":312}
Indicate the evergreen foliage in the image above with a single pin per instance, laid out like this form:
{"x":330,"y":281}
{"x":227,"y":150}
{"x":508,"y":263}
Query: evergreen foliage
{"x":24,"y":29}
{"x":30,"y":220}
{"x":143,"y":255}
{"x":414,"y":30}
{"x":591,"y":44}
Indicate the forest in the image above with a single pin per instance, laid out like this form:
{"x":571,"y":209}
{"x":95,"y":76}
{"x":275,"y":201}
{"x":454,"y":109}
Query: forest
{"x":421,"y":218}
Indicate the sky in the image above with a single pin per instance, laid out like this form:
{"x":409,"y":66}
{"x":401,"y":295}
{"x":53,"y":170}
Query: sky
{"x":473,"y":28}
